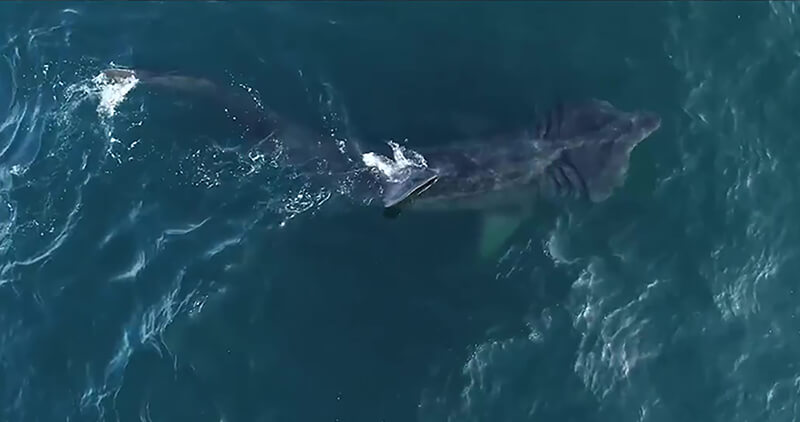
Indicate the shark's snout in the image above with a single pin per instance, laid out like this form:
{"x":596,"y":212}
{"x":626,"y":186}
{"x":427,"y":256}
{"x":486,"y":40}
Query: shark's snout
{"x":648,"y":122}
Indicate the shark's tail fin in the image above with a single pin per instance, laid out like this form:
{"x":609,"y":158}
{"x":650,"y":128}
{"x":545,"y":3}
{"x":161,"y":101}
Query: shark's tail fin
{"x":239,"y":104}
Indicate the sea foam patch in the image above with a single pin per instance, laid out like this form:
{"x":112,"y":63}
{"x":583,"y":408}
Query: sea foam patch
{"x":392,"y":168}
{"x":112,"y":92}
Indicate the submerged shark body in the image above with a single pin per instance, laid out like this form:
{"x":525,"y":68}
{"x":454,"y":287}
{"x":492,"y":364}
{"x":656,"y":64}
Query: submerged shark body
{"x":579,"y":150}
{"x":576,"y":150}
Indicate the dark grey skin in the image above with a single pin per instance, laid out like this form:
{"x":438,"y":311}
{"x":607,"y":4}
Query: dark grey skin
{"x":579,"y":150}
{"x":576,"y":150}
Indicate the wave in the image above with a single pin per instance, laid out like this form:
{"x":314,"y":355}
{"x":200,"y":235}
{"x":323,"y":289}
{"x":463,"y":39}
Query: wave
{"x":679,"y":304}
{"x":70,"y":141}
{"x":733,"y":251}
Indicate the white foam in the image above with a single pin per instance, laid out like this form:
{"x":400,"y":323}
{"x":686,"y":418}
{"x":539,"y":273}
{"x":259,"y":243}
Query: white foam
{"x":112,"y":92}
{"x":403,"y":158}
{"x":134,"y":270}
{"x":383,"y":164}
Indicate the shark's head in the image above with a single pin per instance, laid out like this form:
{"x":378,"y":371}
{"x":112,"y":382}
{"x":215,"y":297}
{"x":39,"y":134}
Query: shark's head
{"x":597,"y":140}
{"x":646,"y":122}
{"x":630,"y":128}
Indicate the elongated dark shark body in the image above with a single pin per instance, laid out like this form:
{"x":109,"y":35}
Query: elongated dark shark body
{"x":580,"y":150}
{"x":575,"y":150}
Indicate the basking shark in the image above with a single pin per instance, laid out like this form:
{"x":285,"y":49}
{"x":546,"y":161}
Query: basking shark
{"x":576,"y":150}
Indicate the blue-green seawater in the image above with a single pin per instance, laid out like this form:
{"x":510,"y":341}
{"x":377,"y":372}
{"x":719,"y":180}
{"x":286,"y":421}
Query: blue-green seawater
{"x":149,"y":272}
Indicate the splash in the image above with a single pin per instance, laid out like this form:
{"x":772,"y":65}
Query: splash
{"x":392,"y":168}
{"x":112,"y":92}
{"x":109,"y":93}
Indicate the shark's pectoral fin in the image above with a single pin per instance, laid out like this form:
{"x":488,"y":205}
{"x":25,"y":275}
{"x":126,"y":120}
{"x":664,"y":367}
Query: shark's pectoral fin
{"x":497,"y":228}
{"x":398,"y":192}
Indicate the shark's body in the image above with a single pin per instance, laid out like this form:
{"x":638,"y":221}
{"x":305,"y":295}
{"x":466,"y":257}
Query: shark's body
{"x":578,"y":150}
{"x":581,"y":150}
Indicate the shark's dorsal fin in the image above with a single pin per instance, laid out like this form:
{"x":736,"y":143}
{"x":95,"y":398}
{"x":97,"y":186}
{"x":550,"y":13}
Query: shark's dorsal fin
{"x":416,"y":181}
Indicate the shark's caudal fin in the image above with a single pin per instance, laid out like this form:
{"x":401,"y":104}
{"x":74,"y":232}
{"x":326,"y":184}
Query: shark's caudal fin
{"x":597,"y":163}
{"x":237,"y":103}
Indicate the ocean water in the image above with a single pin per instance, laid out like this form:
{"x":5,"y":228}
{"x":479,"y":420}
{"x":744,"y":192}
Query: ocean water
{"x":153,"y":267}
